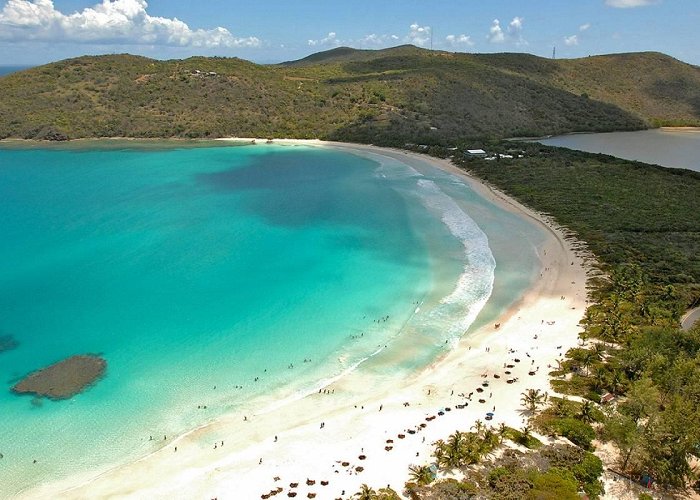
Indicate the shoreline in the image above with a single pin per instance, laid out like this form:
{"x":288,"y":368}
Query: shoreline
{"x":341,"y":427}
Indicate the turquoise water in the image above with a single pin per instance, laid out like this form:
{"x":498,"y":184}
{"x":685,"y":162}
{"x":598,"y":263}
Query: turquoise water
{"x":196,"y":270}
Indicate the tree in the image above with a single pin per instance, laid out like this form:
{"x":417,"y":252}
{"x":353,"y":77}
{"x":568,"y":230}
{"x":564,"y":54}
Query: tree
{"x":616,"y":381}
{"x":366,"y":493}
{"x":642,"y":400}
{"x":598,"y":351}
{"x":440,"y":452}
{"x":586,"y":412}
{"x":421,"y":474}
{"x":490,"y":440}
{"x":455,"y":451}
{"x":532,"y":399}
{"x":587,"y":361}
{"x":502,"y":431}
{"x":525,"y":435}
{"x":625,"y":434}
{"x":669,"y":438}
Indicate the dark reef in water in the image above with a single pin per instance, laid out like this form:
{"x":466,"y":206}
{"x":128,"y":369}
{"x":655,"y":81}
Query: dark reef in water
{"x":7,"y":343}
{"x":63,"y":379}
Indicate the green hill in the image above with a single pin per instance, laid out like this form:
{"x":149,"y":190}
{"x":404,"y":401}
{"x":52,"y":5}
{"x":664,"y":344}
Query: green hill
{"x":391,"y":96}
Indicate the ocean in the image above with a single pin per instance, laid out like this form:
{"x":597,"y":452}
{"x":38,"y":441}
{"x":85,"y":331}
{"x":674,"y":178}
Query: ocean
{"x":211,"y":276}
{"x":6,"y":70}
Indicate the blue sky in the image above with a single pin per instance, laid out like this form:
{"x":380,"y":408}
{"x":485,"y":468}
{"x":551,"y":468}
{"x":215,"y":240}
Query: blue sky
{"x":40,"y":31}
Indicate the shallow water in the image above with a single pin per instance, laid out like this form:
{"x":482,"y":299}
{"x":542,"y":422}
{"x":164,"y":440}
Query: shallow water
{"x":196,"y":270}
{"x":668,"y":148}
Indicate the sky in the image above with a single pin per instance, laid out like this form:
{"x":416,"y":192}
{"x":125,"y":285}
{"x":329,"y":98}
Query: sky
{"x":268,"y":31}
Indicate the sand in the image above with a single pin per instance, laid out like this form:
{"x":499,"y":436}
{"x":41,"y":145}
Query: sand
{"x":322,"y":436}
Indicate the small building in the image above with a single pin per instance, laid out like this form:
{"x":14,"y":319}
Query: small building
{"x":606,"y":398}
{"x":480,"y":153}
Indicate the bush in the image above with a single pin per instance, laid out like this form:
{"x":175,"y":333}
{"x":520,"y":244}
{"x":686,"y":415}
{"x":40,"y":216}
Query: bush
{"x":555,"y":484}
{"x":453,"y":489}
{"x":588,"y":472}
{"x":585,"y":466}
{"x":578,"y":432}
{"x":509,"y":483}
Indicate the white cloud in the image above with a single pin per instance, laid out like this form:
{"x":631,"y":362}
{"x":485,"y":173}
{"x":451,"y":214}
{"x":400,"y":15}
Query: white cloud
{"x":513,"y":32}
{"x":419,"y":35}
{"x":111,"y":22}
{"x":330,"y":40}
{"x":584,"y":27}
{"x":628,"y":4}
{"x":516,"y":24}
{"x":459,"y":40}
{"x":496,"y":34}
{"x":571,"y":40}
{"x":375,"y":40}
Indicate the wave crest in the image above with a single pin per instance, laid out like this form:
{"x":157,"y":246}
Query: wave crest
{"x":475,"y":284}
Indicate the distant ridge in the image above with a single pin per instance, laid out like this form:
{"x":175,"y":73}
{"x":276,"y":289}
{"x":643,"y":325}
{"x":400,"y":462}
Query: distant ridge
{"x":347,"y":54}
{"x":389,"y":96}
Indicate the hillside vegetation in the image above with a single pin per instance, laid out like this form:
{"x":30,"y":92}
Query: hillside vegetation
{"x":391,"y":96}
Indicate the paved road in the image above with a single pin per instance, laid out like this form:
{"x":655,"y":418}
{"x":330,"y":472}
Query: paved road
{"x":690,"y":318}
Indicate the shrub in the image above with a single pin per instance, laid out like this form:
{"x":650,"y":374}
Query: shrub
{"x":576,"y":431}
{"x":585,"y":466}
{"x":555,"y":484}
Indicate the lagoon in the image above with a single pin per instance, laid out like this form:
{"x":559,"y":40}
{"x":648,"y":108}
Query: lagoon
{"x":674,"y":148}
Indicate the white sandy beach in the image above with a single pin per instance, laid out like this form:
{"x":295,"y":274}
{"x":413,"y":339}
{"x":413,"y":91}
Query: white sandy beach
{"x":244,"y":456}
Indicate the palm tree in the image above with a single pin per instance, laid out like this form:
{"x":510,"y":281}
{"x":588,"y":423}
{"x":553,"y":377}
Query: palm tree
{"x":366,"y":493}
{"x":502,"y":431}
{"x":616,"y":381}
{"x":587,"y":361}
{"x":532,"y":399}
{"x":478,"y":426}
{"x":490,"y":440}
{"x":599,"y":375}
{"x":598,"y":350}
{"x":456,"y":450}
{"x":586,"y":412}
{"x":440,"y":452}
{"x":421,"y":474}
{"x":525,"y":435}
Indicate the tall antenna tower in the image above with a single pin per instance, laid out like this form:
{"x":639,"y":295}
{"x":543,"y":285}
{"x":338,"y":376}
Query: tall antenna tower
{"x":554,"y":52}
{"x":431,"y":39}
